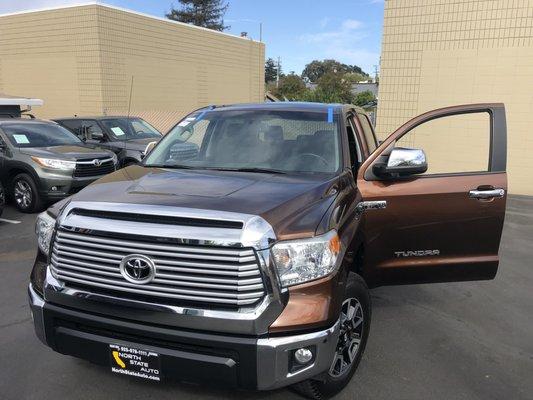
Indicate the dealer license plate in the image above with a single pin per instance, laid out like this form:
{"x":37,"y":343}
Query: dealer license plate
{"x":143,"y":364}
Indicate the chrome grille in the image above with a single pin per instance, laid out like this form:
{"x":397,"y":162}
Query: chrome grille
{"x":200,"y":274}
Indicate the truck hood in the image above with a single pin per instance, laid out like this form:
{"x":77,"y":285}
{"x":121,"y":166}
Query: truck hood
{"x":282,"y":200}
{"x":71,"y":153}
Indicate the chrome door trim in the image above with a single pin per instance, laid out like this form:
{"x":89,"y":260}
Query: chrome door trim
{"x":369,"y":205}
{"x":486,"y":194}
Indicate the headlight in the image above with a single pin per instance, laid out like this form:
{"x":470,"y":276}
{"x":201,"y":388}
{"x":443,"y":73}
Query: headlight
{"x":299,"y":261}
{"x":44,"y":229}
{"x":54,"y":164}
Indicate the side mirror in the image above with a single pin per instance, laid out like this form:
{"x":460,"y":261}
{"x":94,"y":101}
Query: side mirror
{"x":99,"y":136}
{"x":149,"y":147}
{"x":402,"y":162}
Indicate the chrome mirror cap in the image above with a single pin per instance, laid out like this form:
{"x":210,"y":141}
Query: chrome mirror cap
{"x":405,"y":158}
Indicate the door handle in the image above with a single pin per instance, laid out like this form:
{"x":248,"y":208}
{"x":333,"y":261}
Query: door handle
{"x":486,"y":194}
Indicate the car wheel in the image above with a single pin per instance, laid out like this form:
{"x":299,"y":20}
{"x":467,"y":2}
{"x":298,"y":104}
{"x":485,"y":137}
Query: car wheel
{"x":25,"y":194}
{"x":355,"y":326}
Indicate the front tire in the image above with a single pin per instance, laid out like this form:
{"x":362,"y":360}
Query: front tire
{"x":25,"y":194}
{"x":355,"y":326}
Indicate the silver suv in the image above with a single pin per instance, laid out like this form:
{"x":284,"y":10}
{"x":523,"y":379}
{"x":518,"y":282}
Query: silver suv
{"x":42,"y":162}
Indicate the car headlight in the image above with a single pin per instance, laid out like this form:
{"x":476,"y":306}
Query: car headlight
{"x":299,"y":261}
{"x":44,"y":229}
{"x":53,"y":163}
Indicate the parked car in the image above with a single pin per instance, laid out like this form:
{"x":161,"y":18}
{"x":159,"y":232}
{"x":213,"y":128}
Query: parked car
{"x":2,"y":198}
{"x":127,"y":137}
{"x":248,"y":262}
{"x":42,"y":162}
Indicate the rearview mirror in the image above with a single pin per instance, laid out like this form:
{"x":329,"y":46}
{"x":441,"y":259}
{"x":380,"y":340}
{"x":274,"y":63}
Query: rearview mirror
{"x":402,"y":162}
{"x":149,"y":147}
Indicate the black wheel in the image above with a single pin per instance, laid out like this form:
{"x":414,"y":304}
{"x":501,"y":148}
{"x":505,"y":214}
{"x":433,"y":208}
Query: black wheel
{"x":25,"y":194}
{"x":355,"y":326}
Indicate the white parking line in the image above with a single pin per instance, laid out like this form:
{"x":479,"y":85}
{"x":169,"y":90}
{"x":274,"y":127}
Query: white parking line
{"x":9,"y":221}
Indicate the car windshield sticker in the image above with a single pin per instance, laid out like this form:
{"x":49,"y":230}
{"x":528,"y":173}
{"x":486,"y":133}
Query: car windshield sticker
{"x":330,"y":115}
{"x":21,"y":139}
{"x":118,"y":131}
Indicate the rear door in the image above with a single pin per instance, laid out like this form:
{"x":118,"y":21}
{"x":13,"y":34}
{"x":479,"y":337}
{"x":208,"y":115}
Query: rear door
{"x":444,"y":224}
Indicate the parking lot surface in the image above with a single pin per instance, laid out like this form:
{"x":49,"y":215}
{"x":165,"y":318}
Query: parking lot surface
{"x":470,"y":340}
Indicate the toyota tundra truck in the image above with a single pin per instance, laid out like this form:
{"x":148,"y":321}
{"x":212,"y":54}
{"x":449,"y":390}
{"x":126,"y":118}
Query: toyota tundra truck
{"x":248,"y":262}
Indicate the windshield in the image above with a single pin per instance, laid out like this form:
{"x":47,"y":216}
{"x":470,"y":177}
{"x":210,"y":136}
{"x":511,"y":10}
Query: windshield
{"x":275,"y":141}
{"x":39,"y":135}
{"x":131,"y":129}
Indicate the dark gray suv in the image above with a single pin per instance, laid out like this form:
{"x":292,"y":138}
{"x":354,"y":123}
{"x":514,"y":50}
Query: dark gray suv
{"x":42,"y":162}
{"x":127,"y":137}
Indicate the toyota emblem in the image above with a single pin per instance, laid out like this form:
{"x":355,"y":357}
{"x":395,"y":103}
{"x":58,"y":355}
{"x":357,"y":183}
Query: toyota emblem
{"x":97,"y":162}
{"x":137,"y":268}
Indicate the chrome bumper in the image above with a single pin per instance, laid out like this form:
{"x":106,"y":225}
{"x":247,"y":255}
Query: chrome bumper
{"x":270,"y":354}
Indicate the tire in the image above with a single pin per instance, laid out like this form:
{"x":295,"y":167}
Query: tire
{"x":333,"y":381}
{"x":25,"y":194}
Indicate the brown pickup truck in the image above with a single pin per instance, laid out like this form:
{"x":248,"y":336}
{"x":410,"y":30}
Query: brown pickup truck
{"x":241,"y":251}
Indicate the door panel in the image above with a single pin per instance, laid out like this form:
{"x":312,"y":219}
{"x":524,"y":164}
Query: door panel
{"x":434,"y":228}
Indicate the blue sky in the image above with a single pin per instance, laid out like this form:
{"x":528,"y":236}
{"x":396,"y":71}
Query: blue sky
{"x":296,"y":30}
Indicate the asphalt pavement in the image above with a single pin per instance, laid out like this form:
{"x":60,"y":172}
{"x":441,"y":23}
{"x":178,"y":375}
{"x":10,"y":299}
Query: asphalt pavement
{"x":470,"y":340}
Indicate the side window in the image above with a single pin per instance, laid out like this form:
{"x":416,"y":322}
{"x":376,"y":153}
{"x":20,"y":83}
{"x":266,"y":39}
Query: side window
{"x":355,"y":153}
{"x":368,"y":132}
{"x":73,"y":125}
{"x":92,"y":127}
{"x":453,"y":144}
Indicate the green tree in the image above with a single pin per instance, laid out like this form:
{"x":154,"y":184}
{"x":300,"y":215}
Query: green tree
{"x":316,"y":69}
{"x":291,"y":87}
{"x":355,"y":77}
{"x":364,"y":98}
{"x":206,"y":13}
{"x":271,"y":71}
{"x":331,"y":88}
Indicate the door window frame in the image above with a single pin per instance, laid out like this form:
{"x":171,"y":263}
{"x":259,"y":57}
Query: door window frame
{"x":497,"y":142}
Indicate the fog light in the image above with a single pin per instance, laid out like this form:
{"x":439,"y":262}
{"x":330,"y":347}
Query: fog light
{"x":303,"y":355}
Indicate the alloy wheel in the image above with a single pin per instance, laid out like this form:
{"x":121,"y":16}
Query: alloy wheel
{"x":23,"y":194}
{"x":350,"y":336}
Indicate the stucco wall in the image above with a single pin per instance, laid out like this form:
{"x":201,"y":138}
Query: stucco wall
{"x":80,"y":61}
{"x":441,"y":53}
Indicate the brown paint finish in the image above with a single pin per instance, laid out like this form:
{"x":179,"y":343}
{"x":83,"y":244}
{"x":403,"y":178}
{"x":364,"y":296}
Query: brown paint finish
{"x":311,"y":305}
{"x":428,"y":214}
{"x":433,"y":214}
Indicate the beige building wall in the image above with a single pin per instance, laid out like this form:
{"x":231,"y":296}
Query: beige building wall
{"x":87,"y":60}
{"x":437,"y":53}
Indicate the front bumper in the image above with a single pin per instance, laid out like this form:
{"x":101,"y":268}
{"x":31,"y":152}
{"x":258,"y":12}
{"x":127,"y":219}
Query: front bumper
{"x":65,"y":185}
{"x":246,"y":362}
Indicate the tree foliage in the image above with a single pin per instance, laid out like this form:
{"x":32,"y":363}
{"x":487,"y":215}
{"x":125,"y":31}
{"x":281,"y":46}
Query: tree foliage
{"x":331,"y":88}
{"x":291,"y":87}
{"x":364,"y":98}
{"x":205,"y":13}
{"x":271,"y":71}
{"x":316,"y":69}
